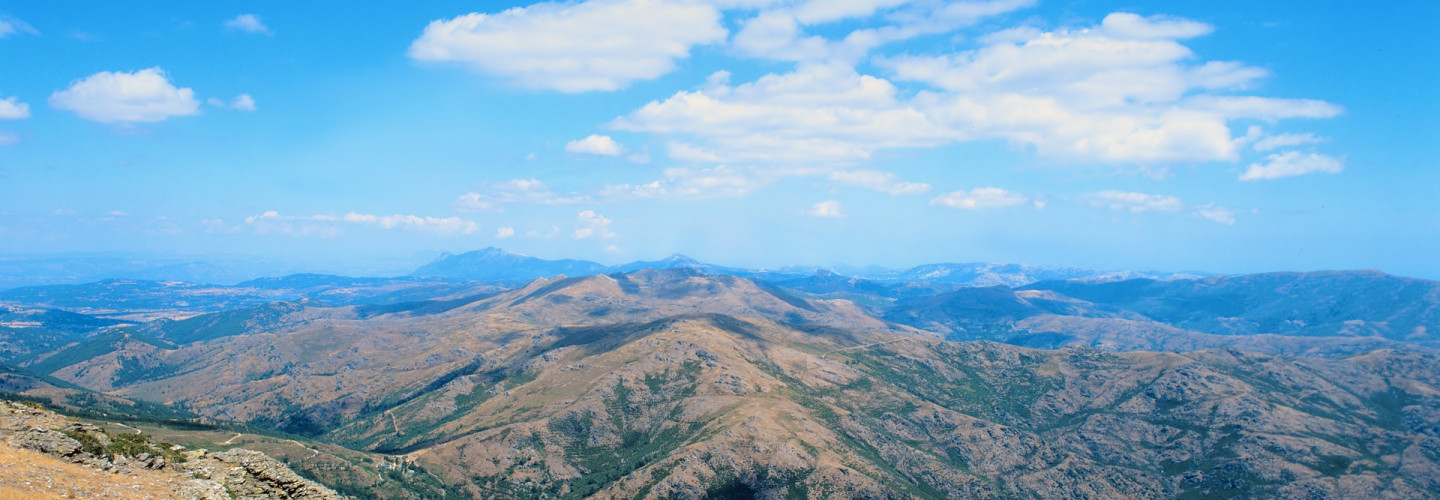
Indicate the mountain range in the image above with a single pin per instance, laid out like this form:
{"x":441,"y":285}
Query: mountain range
{"x":492,"y":264}
{"x":674,"y":379}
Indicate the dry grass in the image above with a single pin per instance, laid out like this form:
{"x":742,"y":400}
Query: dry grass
{"x":30,"y":475}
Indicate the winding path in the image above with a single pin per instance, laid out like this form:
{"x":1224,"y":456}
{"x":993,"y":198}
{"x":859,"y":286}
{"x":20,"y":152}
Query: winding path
{"x":313,"y":451}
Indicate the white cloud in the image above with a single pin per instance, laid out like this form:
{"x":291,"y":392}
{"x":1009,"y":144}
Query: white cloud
{"x":1290,"y":164}
{"x":1264,"y":108}
{"x":591,"y":224}
{"x":879,"y":181}
{"x":273,"y":222}
{"x":442,"y":226}
{"x":1135,"y":202}
{"x":249,"y":23}
{"x":142,"y":96}
{"x":8,"y":138}
{"x":495,"y":196}
{"x":1131,"y":26}
{"x":504,"y":232}
{"x":820,"y":113}
{"x":979,"y":198}
{"x":779,"y":33}
{"x":1124,"y":92}
{"x":574,"y":47}
{"x":242,"y":102}
{"x":1221,"y":215}
{"x":601,"y":145}
{"x":1286,"y":140}
{"x":1145,"y":202}
{"x":829,"y":208}
{"x":689,"y":183}
{"x":475,"y":201}
{"x":11,"y":26}
{"x":1114,"y":93}
{"x":12,"y":109}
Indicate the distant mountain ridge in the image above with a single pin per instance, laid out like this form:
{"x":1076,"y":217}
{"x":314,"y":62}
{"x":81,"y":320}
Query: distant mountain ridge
{"x":1347,"y":303}
{"x":496,"y":264}
{"x":491,"y":264}
{"x":18,"y":271}
{"x":177,"y":298}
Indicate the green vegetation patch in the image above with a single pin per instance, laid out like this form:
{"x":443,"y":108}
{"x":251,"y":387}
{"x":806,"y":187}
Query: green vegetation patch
{"x":99,"y":345}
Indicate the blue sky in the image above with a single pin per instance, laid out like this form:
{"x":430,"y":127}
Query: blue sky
{"x":1218,"y":136}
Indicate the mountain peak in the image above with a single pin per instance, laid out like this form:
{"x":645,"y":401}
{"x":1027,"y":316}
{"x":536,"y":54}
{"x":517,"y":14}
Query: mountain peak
{"x":495,"y":252}
{"x":491,"y":263}
{"x":679,"y":259}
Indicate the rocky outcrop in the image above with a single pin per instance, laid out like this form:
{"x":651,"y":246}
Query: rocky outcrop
{"x":251,"y":475}
{"x":237,"y":474}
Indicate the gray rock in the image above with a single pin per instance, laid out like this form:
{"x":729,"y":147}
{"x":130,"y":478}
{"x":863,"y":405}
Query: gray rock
{"x":49,"y":442}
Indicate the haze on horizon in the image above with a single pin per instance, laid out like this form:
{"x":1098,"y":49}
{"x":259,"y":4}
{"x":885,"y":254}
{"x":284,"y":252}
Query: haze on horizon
{"x":1227,"y":137}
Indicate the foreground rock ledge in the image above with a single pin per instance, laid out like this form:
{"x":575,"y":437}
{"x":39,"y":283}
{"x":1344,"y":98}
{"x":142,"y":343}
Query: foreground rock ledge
{"x":45,"y":455}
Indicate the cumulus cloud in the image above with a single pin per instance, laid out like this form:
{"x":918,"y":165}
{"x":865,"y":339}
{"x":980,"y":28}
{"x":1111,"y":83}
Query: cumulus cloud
{"x":141,"y":96}
{"x":828,"y":208}
{"x":819,"y":113}
{"x":503,"y":232}
{"x":606,"y":44}
{"x":779,"y":33}
{"x":248,"y":23}
{"x":601,"y":145}
{"x":979,"y":198}
{"x":1135,"y":202}
{"x":1124,"y":25}
{"x":591,"y":224}
{"x":273,"y":222}
{"x":12,"y":109}
{"x":877,"y":180}
{"x":1290,"y":164}
{"x":11,"y":26}
{"x":1127,"y":91}
{"x":494,"y":196}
